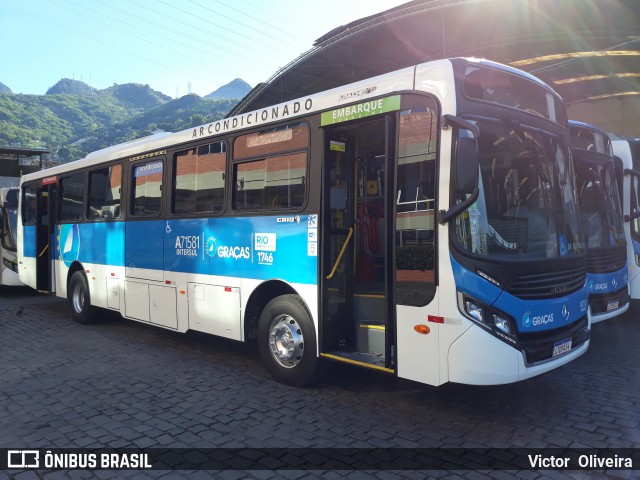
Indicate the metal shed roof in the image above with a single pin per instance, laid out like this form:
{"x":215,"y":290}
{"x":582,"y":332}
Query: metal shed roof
{"x":586,"y":49}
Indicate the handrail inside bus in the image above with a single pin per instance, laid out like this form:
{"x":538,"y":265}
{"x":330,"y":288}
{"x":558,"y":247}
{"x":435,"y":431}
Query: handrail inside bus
{"x":633,"y":216}
{"x":344,"y":248}
{"x":628,"y":171}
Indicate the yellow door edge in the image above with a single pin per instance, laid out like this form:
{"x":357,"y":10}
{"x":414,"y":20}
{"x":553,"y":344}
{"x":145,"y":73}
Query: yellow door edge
{"x":356,"y":362}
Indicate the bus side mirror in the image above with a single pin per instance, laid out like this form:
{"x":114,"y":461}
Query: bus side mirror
{"x":466,"y":165}
{"x":634,"y":188}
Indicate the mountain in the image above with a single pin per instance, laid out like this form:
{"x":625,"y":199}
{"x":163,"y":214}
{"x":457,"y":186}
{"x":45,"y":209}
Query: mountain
{"x":4,"y":88}
{"x":164,"y":116}
{"x":180,"y":114}
{"x":73,"y":119}
{"x":237,"y":88}
{"x":136,"y":95}
{"x":72,"y":87}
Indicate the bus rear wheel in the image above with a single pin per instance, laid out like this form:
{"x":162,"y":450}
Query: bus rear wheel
{"x":79,"y":300}
{"x":287,"y":341}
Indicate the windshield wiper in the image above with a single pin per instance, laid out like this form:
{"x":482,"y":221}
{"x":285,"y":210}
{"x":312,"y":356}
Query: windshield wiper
{"x":558,"y":214}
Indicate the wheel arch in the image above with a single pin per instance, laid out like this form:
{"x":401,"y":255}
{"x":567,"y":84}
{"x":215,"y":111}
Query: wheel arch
{"x":259,"y":298}
{"x":73,"y":268}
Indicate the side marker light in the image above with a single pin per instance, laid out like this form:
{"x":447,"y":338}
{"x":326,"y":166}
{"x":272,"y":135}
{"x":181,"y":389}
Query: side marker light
{"x":422,"y":329}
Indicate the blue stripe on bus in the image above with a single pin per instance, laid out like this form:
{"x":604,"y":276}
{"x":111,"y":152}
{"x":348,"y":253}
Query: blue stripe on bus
{"x":473,"y":284}
{"x":607,"y":282}
{"x":529,"y":315}
{"x":29,"y":241}
{"x":250,"y":247}
{"x":98,"y":243}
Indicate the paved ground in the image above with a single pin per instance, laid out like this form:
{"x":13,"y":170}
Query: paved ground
{"x":121,"y":384}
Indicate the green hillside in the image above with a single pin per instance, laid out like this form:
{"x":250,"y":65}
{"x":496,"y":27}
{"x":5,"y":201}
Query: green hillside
{"x":71,"y":125}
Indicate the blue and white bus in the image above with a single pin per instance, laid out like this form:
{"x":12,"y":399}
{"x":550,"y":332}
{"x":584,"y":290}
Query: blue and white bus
{"x":8,"y":230}
{"x":601,"y":216}
{"x":627,"y":152}
{"x":420,"y":223}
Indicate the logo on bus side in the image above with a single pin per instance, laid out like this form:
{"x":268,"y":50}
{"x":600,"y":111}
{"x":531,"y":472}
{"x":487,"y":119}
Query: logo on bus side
{"x":265,"y":242}
{"x":212,"y":249}
{"x":68,"y":243}
{"x":236,"y":252}
{"x":536,"y":320}
{"x":295,"y":219}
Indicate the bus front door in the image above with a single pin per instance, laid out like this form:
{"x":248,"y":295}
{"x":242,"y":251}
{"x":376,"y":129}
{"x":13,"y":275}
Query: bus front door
{"x":356,"y":326}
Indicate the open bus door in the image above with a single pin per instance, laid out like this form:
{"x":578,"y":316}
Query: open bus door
{"x":45,"y":241}
{"x":379,"y":234}
{"x":357,"y":319}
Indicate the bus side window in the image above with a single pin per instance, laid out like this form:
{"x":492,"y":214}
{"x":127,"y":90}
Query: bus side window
{"x":273,"y":173}
{"x":104,"y":193}
{"x":273,"y":183}
{"x":415,"y":207}
{"x":72,"y":198}
{"x":199,"y":179}
{"x":147,"y":189}
{"x":29,"y":205}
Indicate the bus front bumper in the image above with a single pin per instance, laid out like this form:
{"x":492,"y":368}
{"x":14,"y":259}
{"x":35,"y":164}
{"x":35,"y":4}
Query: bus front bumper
{"x":479,"y":358}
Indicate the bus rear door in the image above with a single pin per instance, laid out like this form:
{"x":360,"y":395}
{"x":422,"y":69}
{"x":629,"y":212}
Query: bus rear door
{"x":38,"y":248}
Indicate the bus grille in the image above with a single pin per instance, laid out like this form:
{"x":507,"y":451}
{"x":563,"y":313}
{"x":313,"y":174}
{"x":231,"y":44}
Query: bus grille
{"x":607,"y":262}
{"x":548,"y":285}
{"x":538,"y":346}
{"x":599,"y":302}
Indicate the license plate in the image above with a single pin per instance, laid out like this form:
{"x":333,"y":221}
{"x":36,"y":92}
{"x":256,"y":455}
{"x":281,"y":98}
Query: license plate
{"x":612,"y":305}
{"x":561,"y":347}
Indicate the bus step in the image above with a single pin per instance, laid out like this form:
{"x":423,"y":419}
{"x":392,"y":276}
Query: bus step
{"x":371,"y":337}
{"x":370,"y":289}
{"x":374,"y":361}
{"x":371,"y":307}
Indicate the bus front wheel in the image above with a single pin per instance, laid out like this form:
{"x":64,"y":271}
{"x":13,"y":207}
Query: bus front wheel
{"x":79,"y":299}
{"x":287,"y":341}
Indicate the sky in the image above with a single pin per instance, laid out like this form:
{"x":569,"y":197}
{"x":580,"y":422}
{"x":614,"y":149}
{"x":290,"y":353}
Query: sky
{"x":174,"y":46}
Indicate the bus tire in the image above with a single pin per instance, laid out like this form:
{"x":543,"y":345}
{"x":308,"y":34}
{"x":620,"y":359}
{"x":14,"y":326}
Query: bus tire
{"x":79,"y":299}
{"x":287,"y":341}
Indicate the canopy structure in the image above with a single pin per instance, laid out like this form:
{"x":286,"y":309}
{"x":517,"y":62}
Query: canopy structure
{"x":588,"y":50}
{"x":17,"y":161}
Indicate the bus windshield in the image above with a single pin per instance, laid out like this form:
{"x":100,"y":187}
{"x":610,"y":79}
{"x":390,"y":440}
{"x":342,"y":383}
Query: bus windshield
{"x":600,"y":210}
{"x":525,"y":209}
{"x":10,"y":224}
{"x":496,"y":86}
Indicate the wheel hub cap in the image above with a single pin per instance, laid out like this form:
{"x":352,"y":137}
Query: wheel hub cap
{"x":286,"y":341}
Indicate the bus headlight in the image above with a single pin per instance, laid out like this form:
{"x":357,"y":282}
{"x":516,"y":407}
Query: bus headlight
{"x":502,"y":324}
{"x":474,"y":310}
{"x":492,"y":319}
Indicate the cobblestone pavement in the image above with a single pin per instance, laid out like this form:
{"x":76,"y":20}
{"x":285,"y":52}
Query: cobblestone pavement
{"x":121,"y":384}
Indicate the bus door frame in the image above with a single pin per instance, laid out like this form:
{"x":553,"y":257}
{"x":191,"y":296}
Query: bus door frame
{"x":45,"y":240}
{"x":349,"y":246}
